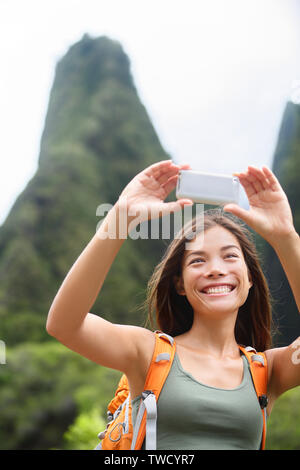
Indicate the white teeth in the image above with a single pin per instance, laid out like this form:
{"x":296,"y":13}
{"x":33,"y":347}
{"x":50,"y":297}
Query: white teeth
{"x":215,"y":290}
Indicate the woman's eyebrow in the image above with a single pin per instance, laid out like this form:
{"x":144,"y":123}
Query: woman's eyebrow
{"x":199,"y":252}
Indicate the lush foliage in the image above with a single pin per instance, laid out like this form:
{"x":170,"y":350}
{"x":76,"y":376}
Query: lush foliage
{"x":43,"y":387}
{"x":82,"y":435}
{"x":283,"y":425}
{"x":97,"y":136}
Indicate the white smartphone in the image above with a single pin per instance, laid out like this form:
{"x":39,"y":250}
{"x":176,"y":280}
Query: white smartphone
{"x":208,"y":188}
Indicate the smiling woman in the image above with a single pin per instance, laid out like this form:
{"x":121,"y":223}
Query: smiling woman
{"x":176,"y":288}
{"x":211,"y":299}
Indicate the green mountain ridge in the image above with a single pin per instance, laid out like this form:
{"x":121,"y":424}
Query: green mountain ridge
{"x":97,"y":136}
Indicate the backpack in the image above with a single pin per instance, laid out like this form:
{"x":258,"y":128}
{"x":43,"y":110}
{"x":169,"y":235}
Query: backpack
{"x":120,"y":433}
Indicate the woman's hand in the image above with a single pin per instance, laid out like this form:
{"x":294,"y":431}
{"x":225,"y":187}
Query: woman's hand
{"x":269,"y":214}
{"x":145,"y":194}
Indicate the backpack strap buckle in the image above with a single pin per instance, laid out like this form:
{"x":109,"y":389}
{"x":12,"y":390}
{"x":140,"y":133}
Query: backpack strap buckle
{"x":263,"y":401}
{"x":165,"y":336}
{"x":148,"y":405}
{"x":258,"y":358}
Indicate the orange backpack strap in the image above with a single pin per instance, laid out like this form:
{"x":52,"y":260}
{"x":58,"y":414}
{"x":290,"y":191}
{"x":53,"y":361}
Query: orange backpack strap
{"x":121,"y":394}
{"x":259,"y":372}
{"x":159,"y":369}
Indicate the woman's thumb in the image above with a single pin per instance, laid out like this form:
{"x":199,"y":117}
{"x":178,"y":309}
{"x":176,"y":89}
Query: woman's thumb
{"x":237,"y":211}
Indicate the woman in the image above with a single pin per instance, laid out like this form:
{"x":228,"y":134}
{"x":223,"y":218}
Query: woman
{"x":207,"y":323}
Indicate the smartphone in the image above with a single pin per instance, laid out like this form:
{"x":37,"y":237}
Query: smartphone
{"x":208,"y":188}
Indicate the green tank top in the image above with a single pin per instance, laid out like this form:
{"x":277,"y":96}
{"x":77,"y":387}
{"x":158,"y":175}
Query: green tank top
{"x":191,"y":415}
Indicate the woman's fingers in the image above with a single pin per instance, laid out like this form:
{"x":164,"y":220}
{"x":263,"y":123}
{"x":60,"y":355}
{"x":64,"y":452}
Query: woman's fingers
{"x":255,"y":180}
{"x":170,"y":183}
{"x":185,"y":166}
{"x":157,"y":169}
{"x":161,"y":171}
{"x":167,"y":173}
{"x":246,"y":183}
{"x":172,"y":171}
{"x":164,"y":170}
{"x":275,"y":185}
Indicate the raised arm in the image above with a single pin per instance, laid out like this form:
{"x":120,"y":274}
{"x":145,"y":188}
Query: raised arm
{"x":270,"y":215}
{"x":69,"y":319}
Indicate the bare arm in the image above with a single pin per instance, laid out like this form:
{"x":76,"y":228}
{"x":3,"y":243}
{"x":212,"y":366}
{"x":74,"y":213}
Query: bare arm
{"x":270,"y":215}
{"x":69,"y":320}
{"x":84,"y":281}
{"x":284,"y":362}
{"x":288,"y":251}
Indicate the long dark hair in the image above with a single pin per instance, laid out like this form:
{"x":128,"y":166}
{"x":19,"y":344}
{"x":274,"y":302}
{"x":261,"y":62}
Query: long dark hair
{"x":173,"y":312}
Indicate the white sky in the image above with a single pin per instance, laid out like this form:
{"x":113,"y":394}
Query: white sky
{"x":214,"y":75}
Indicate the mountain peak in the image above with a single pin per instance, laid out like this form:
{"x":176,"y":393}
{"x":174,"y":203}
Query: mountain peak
{"x":98,"y":59}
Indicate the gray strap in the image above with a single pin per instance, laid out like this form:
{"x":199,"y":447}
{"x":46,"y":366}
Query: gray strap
{"x":137,"y":425}
{"x":259,"y":358}
{"x":266,"y":418}
{"x":163,"y":357}
{"x":150,"y":404}
{"x":147,"y":404}
{"x":265,"y":413}
{"x":249,"y":349}
{"x":126,"y":422}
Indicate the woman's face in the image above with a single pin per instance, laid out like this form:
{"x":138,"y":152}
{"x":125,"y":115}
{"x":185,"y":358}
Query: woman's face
{"x":214,"y":273}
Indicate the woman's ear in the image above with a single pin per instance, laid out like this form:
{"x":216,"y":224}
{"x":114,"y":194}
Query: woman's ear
{"x":250,"y":280}
{"x":179,"y":285}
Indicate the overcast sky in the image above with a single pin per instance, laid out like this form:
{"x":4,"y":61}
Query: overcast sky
{"x":214,"y":75}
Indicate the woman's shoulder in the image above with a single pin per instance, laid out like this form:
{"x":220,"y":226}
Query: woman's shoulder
{"x":144,"y":340}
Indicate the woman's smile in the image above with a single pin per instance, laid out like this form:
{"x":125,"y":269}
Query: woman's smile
{"x":218,"y":292}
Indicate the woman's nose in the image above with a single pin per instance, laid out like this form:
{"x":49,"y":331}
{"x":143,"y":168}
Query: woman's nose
{"x":214,"y":274}
{"x":215,"y":271}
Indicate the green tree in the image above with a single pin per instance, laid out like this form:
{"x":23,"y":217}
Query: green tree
{"x":82,"y":434}
{"x":283,"y":431}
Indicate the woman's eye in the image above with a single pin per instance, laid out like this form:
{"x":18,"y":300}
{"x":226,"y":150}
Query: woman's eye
{"x":202,"y":259}
{"x":196,"y":260}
